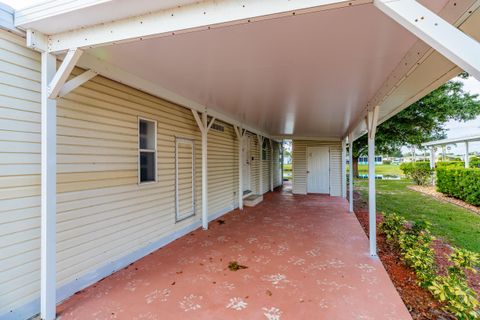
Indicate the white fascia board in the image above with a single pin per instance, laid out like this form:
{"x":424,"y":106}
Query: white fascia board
{"x":451,"y":141}
{"x":48,"y":9}
{"x":7,"y":20}
{"x":436,"y":32}
{"x":202,"y":15}
{"x":115,"y":73}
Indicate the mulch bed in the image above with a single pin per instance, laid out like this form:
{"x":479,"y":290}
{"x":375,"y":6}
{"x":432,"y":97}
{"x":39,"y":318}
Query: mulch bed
{"x":431,"y":191}
{"x":419,"y":301}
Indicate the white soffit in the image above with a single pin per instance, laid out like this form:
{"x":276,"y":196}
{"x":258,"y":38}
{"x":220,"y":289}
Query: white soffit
{"x":56,"y":16}
{"x":309,"y":75}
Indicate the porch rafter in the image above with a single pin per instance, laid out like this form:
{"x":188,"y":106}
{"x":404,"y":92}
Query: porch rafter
{"x":240,"y":133}
{"x":198,"y":16}
{"x":451,"y":42}
{"x":63,"y":72}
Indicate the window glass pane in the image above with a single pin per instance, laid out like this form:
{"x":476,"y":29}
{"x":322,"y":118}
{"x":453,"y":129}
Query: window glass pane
{"x":146,"y":134}
{"x":147,"y":166}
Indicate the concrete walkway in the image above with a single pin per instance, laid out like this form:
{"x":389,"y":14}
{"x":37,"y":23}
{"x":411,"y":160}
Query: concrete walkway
{"x":306,"y":258}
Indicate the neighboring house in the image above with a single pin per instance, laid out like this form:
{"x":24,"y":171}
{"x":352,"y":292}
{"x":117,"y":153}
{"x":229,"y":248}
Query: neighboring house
{"x":364,"y":160}
{"x":124,"y":127}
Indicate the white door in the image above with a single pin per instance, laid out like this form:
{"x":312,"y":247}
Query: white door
{"x":318,"y":166}
{"x":246,"y":161}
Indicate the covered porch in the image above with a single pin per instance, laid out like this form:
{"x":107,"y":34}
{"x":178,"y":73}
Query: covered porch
{"x":305,"y":256}
{"x":320,"y":72}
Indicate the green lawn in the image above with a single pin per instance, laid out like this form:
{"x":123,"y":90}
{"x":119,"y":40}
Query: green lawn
{"x":458,"y":226}
{"x":385,"y":169}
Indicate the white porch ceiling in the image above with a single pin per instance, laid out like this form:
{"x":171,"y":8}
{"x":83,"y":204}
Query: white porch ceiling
{"x":309,"y":75}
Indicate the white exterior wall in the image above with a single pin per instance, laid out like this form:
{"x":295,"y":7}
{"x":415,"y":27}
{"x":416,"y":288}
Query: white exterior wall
{"x":105,"y":220}
{"x":299,"y":165}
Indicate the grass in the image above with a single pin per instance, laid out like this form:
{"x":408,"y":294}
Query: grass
{"x":385,"y":169}
{"x":458,"y":226}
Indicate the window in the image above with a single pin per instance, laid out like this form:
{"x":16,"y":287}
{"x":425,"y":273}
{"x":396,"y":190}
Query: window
{"x":147,"y":150}
{"x":264,"y":149}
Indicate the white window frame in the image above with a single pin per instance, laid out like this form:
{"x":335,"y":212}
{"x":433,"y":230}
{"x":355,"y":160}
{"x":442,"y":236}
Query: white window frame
{"x":154,"y":151}
{"x":178,"y":215}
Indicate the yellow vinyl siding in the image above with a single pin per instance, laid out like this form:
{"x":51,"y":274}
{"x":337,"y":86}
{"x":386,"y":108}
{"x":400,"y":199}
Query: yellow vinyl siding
{"x":19,"y":172}
{"x":102,"y":213}
{"x":222,"y":169}
{"x":299,"y":165}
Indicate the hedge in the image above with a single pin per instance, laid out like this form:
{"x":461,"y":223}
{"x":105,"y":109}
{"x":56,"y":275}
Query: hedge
{"x":474,"y":162}
{"x":443,"y":164}
{"x":460,"y":183}
{"x":419,"y":172}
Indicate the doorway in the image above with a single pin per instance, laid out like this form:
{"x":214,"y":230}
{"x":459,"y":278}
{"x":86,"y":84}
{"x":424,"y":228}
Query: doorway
{"x":318,"y":170}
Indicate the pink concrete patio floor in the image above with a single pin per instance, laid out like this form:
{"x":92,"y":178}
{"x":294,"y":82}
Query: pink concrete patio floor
{"x":307,"y":258}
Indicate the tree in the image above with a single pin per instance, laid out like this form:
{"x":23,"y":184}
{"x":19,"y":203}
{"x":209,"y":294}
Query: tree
{"x":422,"y":121}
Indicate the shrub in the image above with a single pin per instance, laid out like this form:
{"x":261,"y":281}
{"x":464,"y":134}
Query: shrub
{"x":414,"y":242}
{"x":444,"y":164}
{"x":392,"y":226}
{"x":474,"y":162}
{"x":387,"y":161}
{"x":453,"y":289}
{"x":419,"y":172}
{"x":417,"y":253}
{"x":460,"y":183}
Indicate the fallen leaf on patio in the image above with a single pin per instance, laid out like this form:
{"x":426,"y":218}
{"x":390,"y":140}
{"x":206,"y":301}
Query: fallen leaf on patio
{"x":179,"y":272}
{"x":269,"y":293}
{"x":234,"y":266}
{"x":221,"y":221}
{"x":173,"y":283}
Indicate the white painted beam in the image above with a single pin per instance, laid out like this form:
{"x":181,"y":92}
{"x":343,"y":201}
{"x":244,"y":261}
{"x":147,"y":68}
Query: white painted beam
{"x":63,"y":72}
{"x":350,"y":173}
{"x":240,"y":132}
{"x":436,"y":32}
{"x":202,"y":15}
{"x":37,"y":40}
{"x":372,"y":118}
{"x":271,"y":164}
{"x":198,"y":120}
{"x":260,"y":147}
{"x":48,"y":192}
{"x":204,"y":170}
{"x":76,"y":82}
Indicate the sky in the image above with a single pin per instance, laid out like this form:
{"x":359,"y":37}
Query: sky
{"x":460,"y":129}
{"x":455,"y":128}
